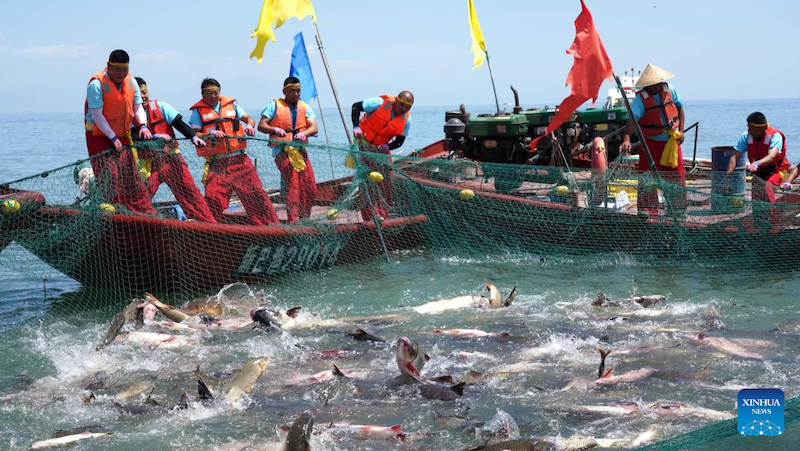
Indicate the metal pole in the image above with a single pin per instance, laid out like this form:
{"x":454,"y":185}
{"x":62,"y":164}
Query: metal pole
{"x":327,"y":141}
{"x":350,"y":138}
{"x":333,"y":83}
{"x":489,"y":65}
{"x":631,"y":117}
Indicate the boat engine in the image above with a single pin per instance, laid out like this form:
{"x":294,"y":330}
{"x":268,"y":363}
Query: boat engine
{"x":506,"y":137}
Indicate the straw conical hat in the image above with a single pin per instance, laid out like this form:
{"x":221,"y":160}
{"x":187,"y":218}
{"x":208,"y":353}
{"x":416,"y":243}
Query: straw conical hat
{"x":653,"y":75}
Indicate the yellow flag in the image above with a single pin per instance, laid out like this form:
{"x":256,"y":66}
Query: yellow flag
{"x":478,"y":44}
{"x":275,"y":13}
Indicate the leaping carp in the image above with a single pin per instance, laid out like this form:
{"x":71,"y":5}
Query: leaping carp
{"x":494,"y":300}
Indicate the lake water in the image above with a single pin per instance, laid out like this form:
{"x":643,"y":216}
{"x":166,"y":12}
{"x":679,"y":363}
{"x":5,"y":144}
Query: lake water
{"x":553,"y":336}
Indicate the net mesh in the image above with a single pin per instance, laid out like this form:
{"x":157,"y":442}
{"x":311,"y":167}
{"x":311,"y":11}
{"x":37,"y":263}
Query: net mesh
{"x":441,"y":204}
{"x":723,"y":436}
{"x":59,"y":222}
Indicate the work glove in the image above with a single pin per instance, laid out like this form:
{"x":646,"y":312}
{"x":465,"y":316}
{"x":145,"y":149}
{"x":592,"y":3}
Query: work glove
{"x":219,"y":134}
{"x":384,"y":148}
{"x":357,"y":132}
{"x":753,"y":167}
{"x":198,"y":142}
{"x":165,"y":137}
{"x":249,"y":130}
{"x":301,"y":137}
{"x":786,"y":185}
{"x":279,"y":132}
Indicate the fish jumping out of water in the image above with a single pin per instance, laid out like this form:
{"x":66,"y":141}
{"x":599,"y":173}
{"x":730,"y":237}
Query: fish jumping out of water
{"x":494,"y":300}
{"x":267,"y":318}
{"x":299,"y":435}
{"x":245,"y":379}
{"x":410,"y":359}
{"x":173,"y":313}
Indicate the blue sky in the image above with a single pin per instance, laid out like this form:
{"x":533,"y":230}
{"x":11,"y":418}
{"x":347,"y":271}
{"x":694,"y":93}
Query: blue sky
{"x":718,"y":49}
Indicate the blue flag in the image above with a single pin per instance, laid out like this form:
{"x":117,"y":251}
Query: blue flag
{"x":301,"y":68}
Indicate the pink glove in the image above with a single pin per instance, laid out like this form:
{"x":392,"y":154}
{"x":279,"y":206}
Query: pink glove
{"x":144,"y":133}
{"x":384,"y":148}
{"x":786,"y":185}
{"x":198,"y":142}
{"x":219,"y":134}
{"x":165,"y":137}
{"x":279,"y":132}
{"x":357,"y":132}
{"x":249,"y":130}
{"x":301,"y":137}
{"x":753,"y":167}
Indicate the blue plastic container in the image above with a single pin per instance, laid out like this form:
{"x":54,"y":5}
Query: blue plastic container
{"x":733,"y":186}
{"x":179,"y":214}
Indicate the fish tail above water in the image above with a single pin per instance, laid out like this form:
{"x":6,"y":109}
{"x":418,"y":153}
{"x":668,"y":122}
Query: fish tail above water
{"x":294,"y":311}
{"x":603,"y":355}
{"x":203,"y":391}
{"x":511,"y":296}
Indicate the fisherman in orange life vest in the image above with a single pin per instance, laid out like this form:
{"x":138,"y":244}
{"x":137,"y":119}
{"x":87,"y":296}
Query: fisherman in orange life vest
{"x":659,"y":111}
{"x":167,"y":165}
{"x":113,"y":102}
{"x":290,"y":119}
{"x":766,"y":150}
{"x":229,"y":169}
{"x":383,"y":128}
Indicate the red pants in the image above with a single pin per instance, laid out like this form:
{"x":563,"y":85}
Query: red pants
{"x":170,"y":168}
{"x":116,"y":176}
{"x":299,"y":188}
{"x":675,"y":195}
{"x":237,"y":174}
{"x":381,"y":197}
{"x":765,"y":191}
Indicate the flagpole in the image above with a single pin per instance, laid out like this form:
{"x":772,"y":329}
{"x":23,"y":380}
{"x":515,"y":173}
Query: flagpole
{"x":489,"y":65}
{"x":349,"y":137}
{"x":327,"y":141}
{"x":333,"y":83}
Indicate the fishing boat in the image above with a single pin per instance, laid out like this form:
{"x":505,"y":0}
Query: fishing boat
{"x":555,"y":200}
{"x":110,"y":248}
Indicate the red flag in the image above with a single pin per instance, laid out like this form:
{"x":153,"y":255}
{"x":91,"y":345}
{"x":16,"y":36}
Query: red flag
{"x":590,"y":67}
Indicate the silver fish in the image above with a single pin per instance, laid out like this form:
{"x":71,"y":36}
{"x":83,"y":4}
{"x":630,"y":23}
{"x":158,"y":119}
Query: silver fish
{"x":297,"y":439}
{"x":410,"y":359}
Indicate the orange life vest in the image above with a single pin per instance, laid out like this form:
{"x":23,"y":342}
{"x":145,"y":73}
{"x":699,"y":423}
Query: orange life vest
{"x":759,"y":148}
{"x":225,"y":121}
{"x":652,"y":121}
{"x":379,"y":127}
{"x":283,"y":119}
{"x":117,"y":105}
{"x":158,"y":123}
